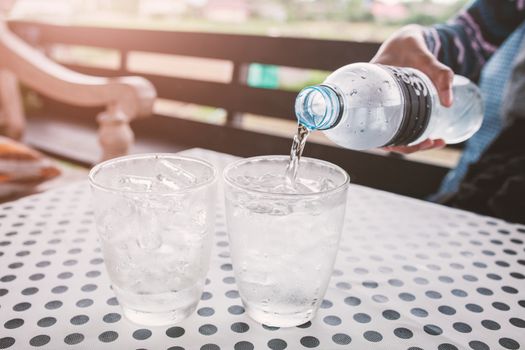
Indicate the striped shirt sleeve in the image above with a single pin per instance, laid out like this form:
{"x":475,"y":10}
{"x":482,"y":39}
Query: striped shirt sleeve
{"x":469,"y":39}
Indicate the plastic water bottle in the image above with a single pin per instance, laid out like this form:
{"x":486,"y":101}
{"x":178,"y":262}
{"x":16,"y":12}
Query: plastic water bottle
{"x":363,"y":106}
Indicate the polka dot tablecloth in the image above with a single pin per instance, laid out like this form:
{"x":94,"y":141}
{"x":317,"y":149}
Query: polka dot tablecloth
{"x":409,"y":275}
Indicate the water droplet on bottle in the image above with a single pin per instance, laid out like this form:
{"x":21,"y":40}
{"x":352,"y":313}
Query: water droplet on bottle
{"x":362,"y":130}
{"x":353,"y":92}
{"x":363,"y":77}
{"x":379,"y":90}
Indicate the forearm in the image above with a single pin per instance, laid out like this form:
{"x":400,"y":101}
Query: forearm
{"x":467,"y":42}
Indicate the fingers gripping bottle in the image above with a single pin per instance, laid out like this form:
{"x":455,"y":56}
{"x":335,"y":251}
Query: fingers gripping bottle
{"x":363,"y":106}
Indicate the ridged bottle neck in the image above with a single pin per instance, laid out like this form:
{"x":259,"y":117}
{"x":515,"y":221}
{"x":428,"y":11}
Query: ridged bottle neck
{"x":319,"y":107}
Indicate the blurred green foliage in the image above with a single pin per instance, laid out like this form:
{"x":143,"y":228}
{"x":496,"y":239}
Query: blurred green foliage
{"x":418,"y":17}
{"x":359,"y":11}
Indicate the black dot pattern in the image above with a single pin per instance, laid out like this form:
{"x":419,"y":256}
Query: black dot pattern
{"x":373,"y":336}
{"x":13,"y":323}
{"x":277,"y":344}
{"x":46,"y":322}
{"x":175,"y":332}
{"x":419,"y":277}
{"x":108,"y":336}
{"x":111,"y":317}
{"x":403,"y":333}
{"x":79,"y":319}
{"x":243,"y":345}
{"x":208,"y":329}
{"x":74,"y":338}
{"x":240,"y":327}
{"x":142,"y":334}
{"x":310,"y":342}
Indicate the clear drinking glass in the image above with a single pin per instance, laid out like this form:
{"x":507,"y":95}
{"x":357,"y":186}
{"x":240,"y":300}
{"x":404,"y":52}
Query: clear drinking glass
{"x":154,"y":215}
{"x":284,"y":238}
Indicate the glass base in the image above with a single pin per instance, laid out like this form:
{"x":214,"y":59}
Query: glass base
{"x":159,"y":309}
{"x":158,"y":318}
{"x":279,"y":320}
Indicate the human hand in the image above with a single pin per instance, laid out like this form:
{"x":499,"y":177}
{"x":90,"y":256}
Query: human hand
{"x":407,"y":48}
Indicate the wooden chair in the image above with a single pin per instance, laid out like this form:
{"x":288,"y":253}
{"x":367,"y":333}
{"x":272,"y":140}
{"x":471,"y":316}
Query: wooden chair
{"x":124,"y":98}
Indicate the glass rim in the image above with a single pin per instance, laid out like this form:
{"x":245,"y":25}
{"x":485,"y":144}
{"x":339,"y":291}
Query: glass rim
{"x":232,"y":182}
{"x":99,"y":166}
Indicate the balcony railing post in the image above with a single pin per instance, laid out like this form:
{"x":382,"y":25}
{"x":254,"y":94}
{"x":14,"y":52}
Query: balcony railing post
{"x":12,"y":119}
{"x":239,"y":75}
{"x":115,"y":134}
{"x":123,"y":63}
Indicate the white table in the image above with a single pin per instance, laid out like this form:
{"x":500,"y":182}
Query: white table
{"x":409,"y":275}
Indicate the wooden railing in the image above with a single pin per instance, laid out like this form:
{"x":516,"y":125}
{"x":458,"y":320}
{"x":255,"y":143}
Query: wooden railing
{"x":236,"y":97}
{"x":124,"y":98}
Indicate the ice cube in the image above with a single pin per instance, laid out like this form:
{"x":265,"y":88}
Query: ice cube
{"x":281,"y":209}
{"x":280,"y":184}
{"x":198,"y":218}
{"x":135,"y":183}
{"x":303,"y":188}
{"x":175,"y":174}
{"x":259,"y":207}
{"x":285,"y":188}
{"x":327,"y":184}
{"x":257,"y":278}
{"x":269,"y":208}
{"x":254,"y":269}
{"x":245,"y":180}
{"x":313,"y":207}
{"x":149,"y":241}
{"x":268,"y":181}
{"x":165,"y":184}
